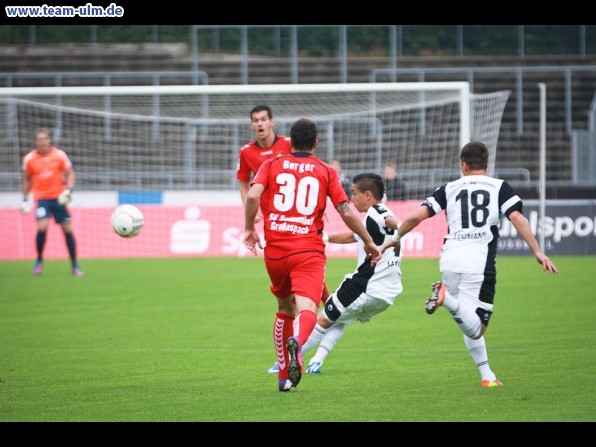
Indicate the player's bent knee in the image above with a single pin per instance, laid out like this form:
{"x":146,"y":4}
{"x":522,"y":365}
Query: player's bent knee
{"x":484,"y":315}
{"x":478,"y":329}
{"x":472,"y":329}
{"x":332,"y":309}
{"x":474,"y":332}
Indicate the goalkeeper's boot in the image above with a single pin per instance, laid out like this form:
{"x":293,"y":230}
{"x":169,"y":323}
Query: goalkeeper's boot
{"x":437,"y":297}
{"x":491,"y":383}
{"x":296,"y":364}
{"x":76,"y":271}
{"x":38,"y":267}
{"x":274,"y":369}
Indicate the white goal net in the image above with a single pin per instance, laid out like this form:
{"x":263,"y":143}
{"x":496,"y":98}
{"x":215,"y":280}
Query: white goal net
{"x":164,"y":147}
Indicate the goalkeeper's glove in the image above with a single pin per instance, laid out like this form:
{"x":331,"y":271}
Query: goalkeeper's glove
{"x":65,"y":196}
{"x":25,"y":206}
{"x":325,"y":238}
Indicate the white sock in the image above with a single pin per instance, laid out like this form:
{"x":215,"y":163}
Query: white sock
{"x":315,"y":337}
{"x":330,"y":338}
{"x":450,"y":303}
{"x":468,"y":320}
{"x":477,"y":349}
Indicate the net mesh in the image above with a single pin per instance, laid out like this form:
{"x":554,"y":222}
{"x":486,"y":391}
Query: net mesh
{"x":191,"y":141}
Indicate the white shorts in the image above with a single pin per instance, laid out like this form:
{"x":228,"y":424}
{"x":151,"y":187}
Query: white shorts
{"x":468,"y":289}
{"x":362,"y":309}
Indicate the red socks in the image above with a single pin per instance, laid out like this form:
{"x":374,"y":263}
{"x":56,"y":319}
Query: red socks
{"x":305,"y":325}
{"x":285,"y":327}
{"x":282,"y":330}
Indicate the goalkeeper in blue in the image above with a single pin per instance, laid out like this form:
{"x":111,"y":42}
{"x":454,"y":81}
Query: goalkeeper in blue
{"x":368,"y":290}
{"x":473,"y":204}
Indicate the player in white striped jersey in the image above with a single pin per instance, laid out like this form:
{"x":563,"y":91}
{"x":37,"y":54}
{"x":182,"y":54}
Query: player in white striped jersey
{"x":473,"y":205}
{"x":368,"y":290}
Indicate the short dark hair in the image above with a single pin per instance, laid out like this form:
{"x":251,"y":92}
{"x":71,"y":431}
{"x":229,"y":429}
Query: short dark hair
{"x":261,"y":108}
{"x":370,"y":181}
{"x":303,"y":134}
{"x":475,"y":155}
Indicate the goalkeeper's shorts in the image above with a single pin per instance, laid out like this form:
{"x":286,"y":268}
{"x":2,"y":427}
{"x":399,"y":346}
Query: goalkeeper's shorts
{"x":50,"y":207}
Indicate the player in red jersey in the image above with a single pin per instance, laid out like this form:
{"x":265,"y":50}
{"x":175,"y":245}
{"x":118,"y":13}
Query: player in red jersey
{"x":266,"y":145}
{"x":48,"y":174}
{"x":292,"y":192}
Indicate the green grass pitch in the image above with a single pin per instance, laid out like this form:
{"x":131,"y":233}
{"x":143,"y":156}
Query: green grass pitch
{"x":190,"y":339}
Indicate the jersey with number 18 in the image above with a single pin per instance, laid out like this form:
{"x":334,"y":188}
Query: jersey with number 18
{"x":474,"y":205}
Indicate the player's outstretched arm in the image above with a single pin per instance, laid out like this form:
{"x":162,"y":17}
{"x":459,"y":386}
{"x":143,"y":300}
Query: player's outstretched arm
{"x":389,"y":244}
{"x":393,"y":222}
{"x":411,"y":221}
{"x":341,"y":237}
{"x":522,"y":226}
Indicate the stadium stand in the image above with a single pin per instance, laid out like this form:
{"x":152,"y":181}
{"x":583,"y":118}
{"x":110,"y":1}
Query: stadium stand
{"x":570,"y":80}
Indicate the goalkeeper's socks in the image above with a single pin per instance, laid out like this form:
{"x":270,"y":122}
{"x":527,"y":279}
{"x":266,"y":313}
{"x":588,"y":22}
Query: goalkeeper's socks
{"x":70,"y":244}
{"x":40,"y":242}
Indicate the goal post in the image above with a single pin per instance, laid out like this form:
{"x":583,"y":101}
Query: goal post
{"x":165,"y":147}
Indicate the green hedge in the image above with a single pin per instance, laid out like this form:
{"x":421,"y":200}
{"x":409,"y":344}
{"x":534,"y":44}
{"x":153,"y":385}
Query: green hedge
{"x":411,"y":40}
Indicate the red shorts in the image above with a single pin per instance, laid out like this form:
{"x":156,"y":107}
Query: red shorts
{"x":302,"y":273}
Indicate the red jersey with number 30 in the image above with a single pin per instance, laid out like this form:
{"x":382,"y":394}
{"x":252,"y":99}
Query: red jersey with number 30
{"x":252,"y":156}
{"x":294,"y":201}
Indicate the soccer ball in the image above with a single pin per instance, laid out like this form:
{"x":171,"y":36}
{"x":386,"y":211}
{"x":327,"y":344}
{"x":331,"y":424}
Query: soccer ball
{"x":127,"y":220}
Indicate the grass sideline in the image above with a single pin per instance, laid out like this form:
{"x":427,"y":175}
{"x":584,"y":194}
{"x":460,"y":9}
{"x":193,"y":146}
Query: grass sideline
{"x":190,"y":339}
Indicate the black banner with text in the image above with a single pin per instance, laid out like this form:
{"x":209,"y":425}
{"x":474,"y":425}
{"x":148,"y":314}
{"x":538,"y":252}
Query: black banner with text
{"x":569,"y":228}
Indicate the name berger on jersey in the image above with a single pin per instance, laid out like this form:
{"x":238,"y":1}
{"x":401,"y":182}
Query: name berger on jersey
{"x":300,"y":167}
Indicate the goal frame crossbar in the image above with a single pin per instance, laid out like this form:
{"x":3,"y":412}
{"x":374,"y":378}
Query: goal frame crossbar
{"x":461,"y":87}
